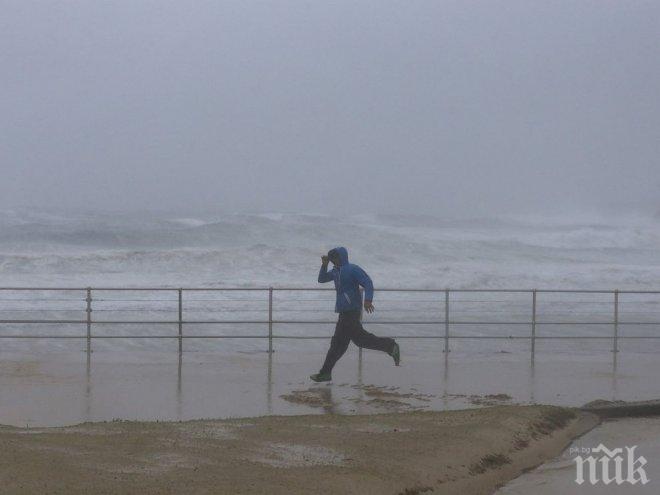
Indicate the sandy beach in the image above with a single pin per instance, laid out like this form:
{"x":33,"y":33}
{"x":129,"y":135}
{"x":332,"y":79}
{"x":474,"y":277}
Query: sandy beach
{"x":467,"y":451}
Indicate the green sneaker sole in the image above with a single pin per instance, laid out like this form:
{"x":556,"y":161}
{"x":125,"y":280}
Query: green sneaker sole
{"x":318,"y":377}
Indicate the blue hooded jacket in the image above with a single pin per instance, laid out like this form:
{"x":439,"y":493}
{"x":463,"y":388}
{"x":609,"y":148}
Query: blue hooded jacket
{"x":348,"y":278}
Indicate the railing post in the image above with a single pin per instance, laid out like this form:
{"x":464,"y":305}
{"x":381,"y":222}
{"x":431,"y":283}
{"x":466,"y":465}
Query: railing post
{"x":270,"y":320}
{"x":446,"y":320}
{"x":180,"y":291}
{"x":89,"y":319}
{"x":615,"y":347}
{"x":533,"y":322}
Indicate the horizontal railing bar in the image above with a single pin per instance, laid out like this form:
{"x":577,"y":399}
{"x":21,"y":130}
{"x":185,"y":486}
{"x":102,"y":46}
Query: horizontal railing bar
{"x":439,"y":337}
{"x":43,"y":337}
{"x":639,"y":292}
{"x":599,"y":323}
{"x":380,"y":289}
{"x":45,"y":288}
{"x":576,"y":291}
{"x":559,"y":337}
{"x":93,"y":337}
{"x":304,"y":337}
{"x":48,"y":299}
{"x":627,"y":337}
{"x":69,"y":322}
{"x":528,"y":338}
{"x":176,"y":322}
{"x":103,"y":299}
{"x":384,"y":289}
{"x":155,"y":289}
{"x":315,"y":322}
{"x":58,"y":310}
{"x":214,"y":289}
{"x":224,"y":337}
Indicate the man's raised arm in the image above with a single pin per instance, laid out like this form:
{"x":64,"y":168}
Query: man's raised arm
{"x":324,"y":274}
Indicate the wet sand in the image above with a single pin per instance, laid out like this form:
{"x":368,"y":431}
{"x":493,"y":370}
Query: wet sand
{"x":468,"y":451}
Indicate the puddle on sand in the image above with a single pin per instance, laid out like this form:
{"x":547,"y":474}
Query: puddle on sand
{"x":386,"y":399}
{"x":483,"y":400}
{"x":284,"y":455}
{"x":313,"y":397}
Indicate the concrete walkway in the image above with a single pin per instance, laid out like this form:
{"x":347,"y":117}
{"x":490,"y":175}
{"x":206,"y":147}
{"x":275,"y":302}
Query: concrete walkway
{"x":557,"y":477}
{"x":51,"y":389}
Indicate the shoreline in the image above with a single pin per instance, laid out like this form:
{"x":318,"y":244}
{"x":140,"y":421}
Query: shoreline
{"x":471,"y":451}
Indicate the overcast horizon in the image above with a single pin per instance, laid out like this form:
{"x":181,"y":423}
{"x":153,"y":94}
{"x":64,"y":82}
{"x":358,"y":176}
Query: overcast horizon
{"x":444,"y":108}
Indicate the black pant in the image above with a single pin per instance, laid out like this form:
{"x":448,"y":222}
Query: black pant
{"x":350,"y":328}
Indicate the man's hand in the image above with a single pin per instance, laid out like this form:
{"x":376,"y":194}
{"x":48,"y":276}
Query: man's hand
{"x":325,"y":260}
{"x":369,"y":307}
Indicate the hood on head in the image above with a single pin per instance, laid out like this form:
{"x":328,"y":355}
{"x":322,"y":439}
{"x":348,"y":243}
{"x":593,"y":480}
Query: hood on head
{"x":342,"y":252}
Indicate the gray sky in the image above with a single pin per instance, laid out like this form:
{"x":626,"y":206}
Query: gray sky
{"x":438,"y":107}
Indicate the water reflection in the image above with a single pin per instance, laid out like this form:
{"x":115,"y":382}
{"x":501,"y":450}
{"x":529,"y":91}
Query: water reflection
{"x":269,"y":387}
{"x":179,"y":392}
{"x":544,"y":379}
{"x":88,"y":386}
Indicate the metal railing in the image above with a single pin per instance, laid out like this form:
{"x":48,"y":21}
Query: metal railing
{"x":450,"y":309}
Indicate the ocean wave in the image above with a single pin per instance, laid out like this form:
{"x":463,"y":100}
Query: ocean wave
{"x":284,"y":249}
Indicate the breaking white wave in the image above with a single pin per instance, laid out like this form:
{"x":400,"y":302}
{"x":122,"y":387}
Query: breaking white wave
{"x":284,"y":249}
{"x":278,"y":249}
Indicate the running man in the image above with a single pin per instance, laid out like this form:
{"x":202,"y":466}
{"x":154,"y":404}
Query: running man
{"x":348,"y":278}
